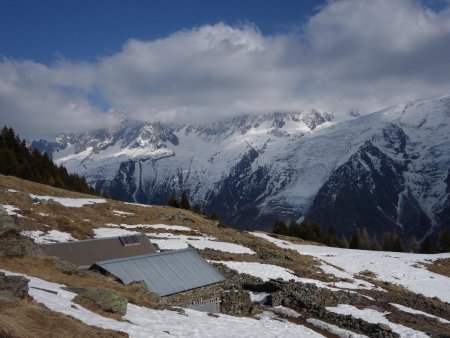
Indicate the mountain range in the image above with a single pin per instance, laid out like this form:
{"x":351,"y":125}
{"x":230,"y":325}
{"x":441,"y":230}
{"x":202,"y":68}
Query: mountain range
{"x":385,"y":171}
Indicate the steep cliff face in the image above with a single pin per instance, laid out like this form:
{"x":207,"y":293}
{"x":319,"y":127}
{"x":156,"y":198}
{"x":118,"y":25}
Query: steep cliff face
{"x":369,"y":191}
{"x":444,"y":213}
{"x":386,"y":170}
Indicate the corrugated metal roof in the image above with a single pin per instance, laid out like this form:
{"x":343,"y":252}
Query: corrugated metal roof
{"x":165,"y":273}
{"x":87,"y":252}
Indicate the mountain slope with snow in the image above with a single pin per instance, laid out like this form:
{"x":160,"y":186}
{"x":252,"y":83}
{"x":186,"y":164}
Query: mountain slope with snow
{"x":383,"y":171}
{"x":288,"y":286}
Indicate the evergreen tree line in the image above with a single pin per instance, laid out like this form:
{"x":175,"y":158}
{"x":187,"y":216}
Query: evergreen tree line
{"x":183,"y":202}
{"x":361,"y":239}
{"x":18,"y":160}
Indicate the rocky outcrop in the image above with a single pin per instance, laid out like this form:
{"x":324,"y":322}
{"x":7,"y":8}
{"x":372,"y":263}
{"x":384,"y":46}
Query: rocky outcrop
{"x":236,"y":302}
{"x":12,"y":244}
{"x":314,"y":300}
{"x":107,"y":300}
{"x":13,"y":287}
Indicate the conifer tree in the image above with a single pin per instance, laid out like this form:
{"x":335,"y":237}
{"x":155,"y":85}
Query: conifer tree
{"x":344,"y":242}
{"x":18,"y":160}
{"x":214,"y":216}
{"x":331,"y":239}
{"x":173,"y":201}
{"x":413,"y":246}
{"x":392,"y":242}
{"x":279,"y":227}
{"x":444,"y":241}
{"x":184,"y":202}
{"x":428,"y":246}
{"x":374,"y":244}
{"x":354,"y":242}
{"x":197,"y":208}
{"x":365,"y":242}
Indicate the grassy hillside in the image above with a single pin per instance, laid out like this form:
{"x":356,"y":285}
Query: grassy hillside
{"x":316,"y":280}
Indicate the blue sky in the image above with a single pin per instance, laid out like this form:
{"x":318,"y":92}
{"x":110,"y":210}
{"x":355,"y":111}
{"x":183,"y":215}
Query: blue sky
{"x":69,"y":66}
{"x":87,"y":29}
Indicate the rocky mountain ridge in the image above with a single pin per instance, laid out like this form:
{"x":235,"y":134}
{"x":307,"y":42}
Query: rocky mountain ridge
{"x":384,"y":171}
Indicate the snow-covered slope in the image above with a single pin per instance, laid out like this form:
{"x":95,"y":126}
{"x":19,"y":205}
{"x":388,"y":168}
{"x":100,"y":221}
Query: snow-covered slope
{"x":386,"y":170}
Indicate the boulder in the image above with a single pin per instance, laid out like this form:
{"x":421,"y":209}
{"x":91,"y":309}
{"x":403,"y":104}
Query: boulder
{"x":13,"y":286}
{"x":107,"y":300}
{"x":12,"y":244}
{"x":384,"y":327}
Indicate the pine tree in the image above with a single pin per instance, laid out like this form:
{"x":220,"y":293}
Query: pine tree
{"x":279,"y":227}
{"x":173,"y":201}
{"x":184,"y":203}
{"x":365,"y":242}
{"x":374,"y":244}
{"x":344,"y":242}
{"x":354,"y":242}
{"x":18,"y":160}
{"x":214,"y":216}
{"x":311,"y":232}
{"x":331,"y":239}
{"x":197,"y":208}
{"x":413,"y":246}
{"x":428,"y":245}
{"x":444,"y":241}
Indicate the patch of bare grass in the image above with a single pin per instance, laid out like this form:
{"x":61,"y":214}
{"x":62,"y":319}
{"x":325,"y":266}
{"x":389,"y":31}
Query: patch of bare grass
{"x":440,"y":266}
{"x":22,"y":319}
{"x":429,"y":326}
{"x":89,"y":304}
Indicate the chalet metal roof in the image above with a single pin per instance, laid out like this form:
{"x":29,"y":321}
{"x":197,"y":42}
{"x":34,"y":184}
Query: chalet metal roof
{"x":87,"y":252}
{"x":164,"y":273}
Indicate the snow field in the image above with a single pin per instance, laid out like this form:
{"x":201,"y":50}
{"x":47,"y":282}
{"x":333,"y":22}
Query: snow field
{"x":144,"y":322}
{"x":394,"y":267}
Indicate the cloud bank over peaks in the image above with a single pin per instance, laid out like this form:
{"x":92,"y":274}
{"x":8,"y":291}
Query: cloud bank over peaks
{"x":351,"y":55}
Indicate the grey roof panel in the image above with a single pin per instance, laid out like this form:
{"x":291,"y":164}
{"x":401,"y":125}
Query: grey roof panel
{"x":87,"y":252}
{"x":166,"y":272}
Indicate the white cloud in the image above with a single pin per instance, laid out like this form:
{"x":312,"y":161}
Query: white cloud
{"x":352,"y":54}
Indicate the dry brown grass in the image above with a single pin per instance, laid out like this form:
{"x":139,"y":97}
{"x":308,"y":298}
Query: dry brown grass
{"x":89,"y":304}
{"x":12,"y":182}
{"x":46,"y":269}
{"x":440,"y":266}
{"x":80,"y":222}
{"x":431,"y":327}
{"x":294,"y":240}
{"x":22,"y":319}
